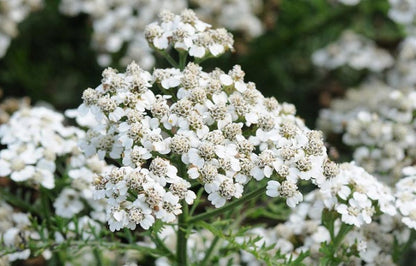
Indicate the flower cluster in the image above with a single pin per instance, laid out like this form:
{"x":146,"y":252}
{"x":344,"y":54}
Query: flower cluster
{"x":207,"y":128}
{"x":35,"y":139}
{"x":118,"y":23}
{"x":377,"y":118}
{"x":155,"y":142}
{"x":357,"y":195}
{"x":12,"y":12}
{"x":353,"y":50}
{"x":185,"y":32}
{"x":352,"y":194}
{"x":380,"y":129}
{"x":303,"y":231}
{"x":200,"y":134}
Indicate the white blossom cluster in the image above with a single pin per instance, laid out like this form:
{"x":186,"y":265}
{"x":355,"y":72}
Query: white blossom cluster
{"x":357,"y":197}
{"x":12,"y":12}
{"x":356,"y":51}
{"x":186,"y":33}
{"x":303,"y":231}
{"x":378,"y":121}
{"x":121,"y":23}
{"x":200,"y":133}
{"x":377,"y":118}
{"x":35,"y":138}
{"x":207,"y":128}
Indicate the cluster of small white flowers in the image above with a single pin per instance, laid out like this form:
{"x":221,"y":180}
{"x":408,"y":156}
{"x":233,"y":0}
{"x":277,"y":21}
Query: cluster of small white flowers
{"x":381,"y":128}
{"x":35,"y":138}
{"x":303,"y":231}
{"x":378,"y":121}
{"x":12,"y":12}
{"x":235,"y":15}
{"x":122,"y":23}
{"x":358,"y":198}
{"x":353,"y":50}
{"x":185,"y":32}
{"x":377,"y":118}
{"x":372,"y":239}
{"x":207,"y":127}
{"x":15,"y":232}
{"x":374,"y":243}
{"x":357,"y":195}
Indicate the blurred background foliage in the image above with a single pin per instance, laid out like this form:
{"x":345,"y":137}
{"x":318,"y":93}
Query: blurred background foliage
{"x":52,"y":59}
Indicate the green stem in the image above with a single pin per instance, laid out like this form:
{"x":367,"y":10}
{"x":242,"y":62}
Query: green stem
{"x":182,"y":59}
{"x":343,"y":231}
{"x":46,"y":207}
{"x":97,"y":255}
{"x":200,"y":60}
{"x":330,"y":253}
{"x":197,"y":201}
{"x":182,"y":237}
{"x":210,"y":250}
{"x":78,"y":244}
{"x":168,"y":58}
{"x":229,"y":206}
{"x":400,"y":254}
{"x":161,"y":245}
{"x":217,"y":240}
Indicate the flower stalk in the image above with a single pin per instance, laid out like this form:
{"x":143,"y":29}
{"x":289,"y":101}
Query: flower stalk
{"x":182,"y":238}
